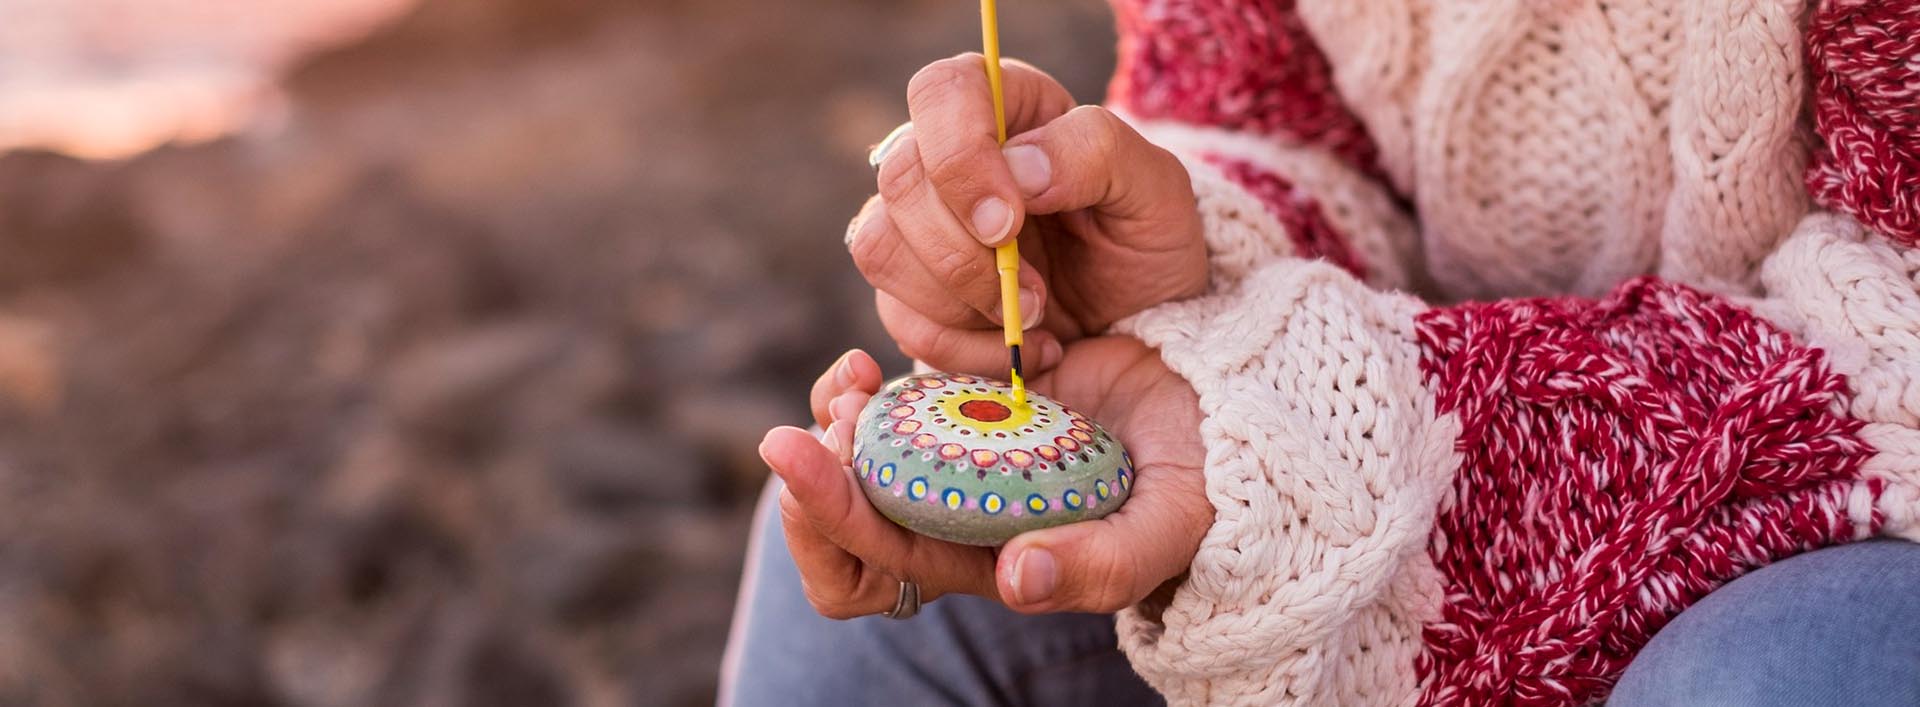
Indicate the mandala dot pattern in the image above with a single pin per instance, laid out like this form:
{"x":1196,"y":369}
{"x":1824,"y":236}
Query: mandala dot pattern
{"x":983,"y":468}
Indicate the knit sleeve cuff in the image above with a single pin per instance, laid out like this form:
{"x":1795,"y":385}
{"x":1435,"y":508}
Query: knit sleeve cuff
{"x":1262,"y":201}
{"x":1842,"y":288}
{"x":1325,"y":464}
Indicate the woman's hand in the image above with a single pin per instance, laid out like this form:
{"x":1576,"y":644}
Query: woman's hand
{"x":1106,"y":220}
{"x":852,"y":558}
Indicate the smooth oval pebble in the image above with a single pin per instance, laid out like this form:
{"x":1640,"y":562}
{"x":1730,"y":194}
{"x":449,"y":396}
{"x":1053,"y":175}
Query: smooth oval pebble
{"x":953,"y":457}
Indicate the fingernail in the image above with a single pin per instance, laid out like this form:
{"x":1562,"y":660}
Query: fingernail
{"x":1030,"y":309}
{"x":1033,"y":576}
{"x":879,"y":152}
{"x":843,"y":371}
{"x":1052,"y":351}
{"x":863,"y":229}
{"x":1031,"y":168}
{"x":766,"y":447}
{"x":991,"y":219}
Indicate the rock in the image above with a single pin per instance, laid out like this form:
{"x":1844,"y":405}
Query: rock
{"x":956,"y":458}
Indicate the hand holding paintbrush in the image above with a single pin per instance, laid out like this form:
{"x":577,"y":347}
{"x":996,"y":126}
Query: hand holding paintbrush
{"x":1105,"y":221}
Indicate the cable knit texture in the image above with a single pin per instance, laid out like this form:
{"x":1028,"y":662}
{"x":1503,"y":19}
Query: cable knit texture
{"x":1856,"y":296}
{"x":1325,"y":464}
{"x":1297,"y":211}
{"x":1622,"y":458}
{"x":1564,"y":146}
{"x":1245,"y":66}
{"x":1499,"y":502}
{"x":1356,"y":222}
{"x":1313,"y":583}
{"x":1863,"y":55}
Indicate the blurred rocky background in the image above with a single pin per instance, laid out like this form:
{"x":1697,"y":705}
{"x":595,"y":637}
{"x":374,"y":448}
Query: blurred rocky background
{"x":426,"y":363}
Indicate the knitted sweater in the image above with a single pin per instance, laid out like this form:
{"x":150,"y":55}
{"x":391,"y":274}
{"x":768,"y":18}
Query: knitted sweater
{"x":1530,"y":323}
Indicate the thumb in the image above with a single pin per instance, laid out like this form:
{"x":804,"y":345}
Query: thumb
{"x":1092,"y":159}
{"x":1099,"y":566}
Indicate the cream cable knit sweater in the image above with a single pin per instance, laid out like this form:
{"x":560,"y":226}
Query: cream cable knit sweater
{"x":1550,"y":147}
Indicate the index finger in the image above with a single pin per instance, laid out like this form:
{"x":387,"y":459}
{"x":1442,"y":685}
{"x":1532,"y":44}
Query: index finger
{"x":951,"y":106}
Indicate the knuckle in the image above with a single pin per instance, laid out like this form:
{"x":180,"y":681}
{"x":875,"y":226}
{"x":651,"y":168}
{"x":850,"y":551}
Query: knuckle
{"x":820,"y":604}
{"x":1164,"y":158}
{"x":1103,"y":131}
{"x":967,"y":269}
{"x":960,"y":170}
{"x":1110,"y":606}
{"x":941,"y":347}
{"x":1108,"y":601}
{"x":1182,"y":181}
{"x":873,"y":208}
{"x":900,"y":173}
{"x":957,"y":160}
{"x":873,"y":256}
{"x":941,"y":79}
{"x":835,"y":390}
{"x":1011,"y":64}
{"x":906,"y":331}
{"x":831,"y":607}
{"x":1168,"y":164}
{"x":1113,"y":587}
{"x":921,"y":341}
{"x":884,"y":565}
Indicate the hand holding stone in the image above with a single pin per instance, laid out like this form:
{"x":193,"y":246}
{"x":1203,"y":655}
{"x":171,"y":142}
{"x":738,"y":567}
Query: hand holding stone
{"x":851,"y":557}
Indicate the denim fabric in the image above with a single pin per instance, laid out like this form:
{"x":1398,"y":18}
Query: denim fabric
{"x":960,"y":650}
{"x":1839,"y":626}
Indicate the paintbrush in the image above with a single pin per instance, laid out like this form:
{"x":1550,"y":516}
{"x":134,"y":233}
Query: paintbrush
{"x":1006,"y":258}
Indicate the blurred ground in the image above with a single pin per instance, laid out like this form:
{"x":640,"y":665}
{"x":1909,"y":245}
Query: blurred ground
{"x":443,"y":388}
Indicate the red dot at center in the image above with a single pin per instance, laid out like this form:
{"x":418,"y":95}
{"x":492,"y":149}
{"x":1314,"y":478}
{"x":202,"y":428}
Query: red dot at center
{"x":985,"y":410}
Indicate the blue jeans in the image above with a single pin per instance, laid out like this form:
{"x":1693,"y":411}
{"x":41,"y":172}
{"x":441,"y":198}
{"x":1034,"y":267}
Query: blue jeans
{"x":1839,"y":626}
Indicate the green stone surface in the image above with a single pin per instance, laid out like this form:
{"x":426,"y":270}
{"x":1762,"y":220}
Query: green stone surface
{"x":953,"y":457}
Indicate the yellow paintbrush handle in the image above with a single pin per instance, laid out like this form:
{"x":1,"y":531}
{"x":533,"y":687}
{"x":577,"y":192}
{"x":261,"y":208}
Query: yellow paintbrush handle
{"x":1006,"y":258}
{"x":990,"y":39}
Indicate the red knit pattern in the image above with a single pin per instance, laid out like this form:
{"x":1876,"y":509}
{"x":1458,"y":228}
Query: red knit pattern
{"x":1245,"y":65}
{"x":1621,"y":458}
{"x":1865,"y":59}
{"x":1307,"y":227}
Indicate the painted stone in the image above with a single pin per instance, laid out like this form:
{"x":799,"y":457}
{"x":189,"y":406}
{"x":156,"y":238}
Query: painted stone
{"x":954,"y":457}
